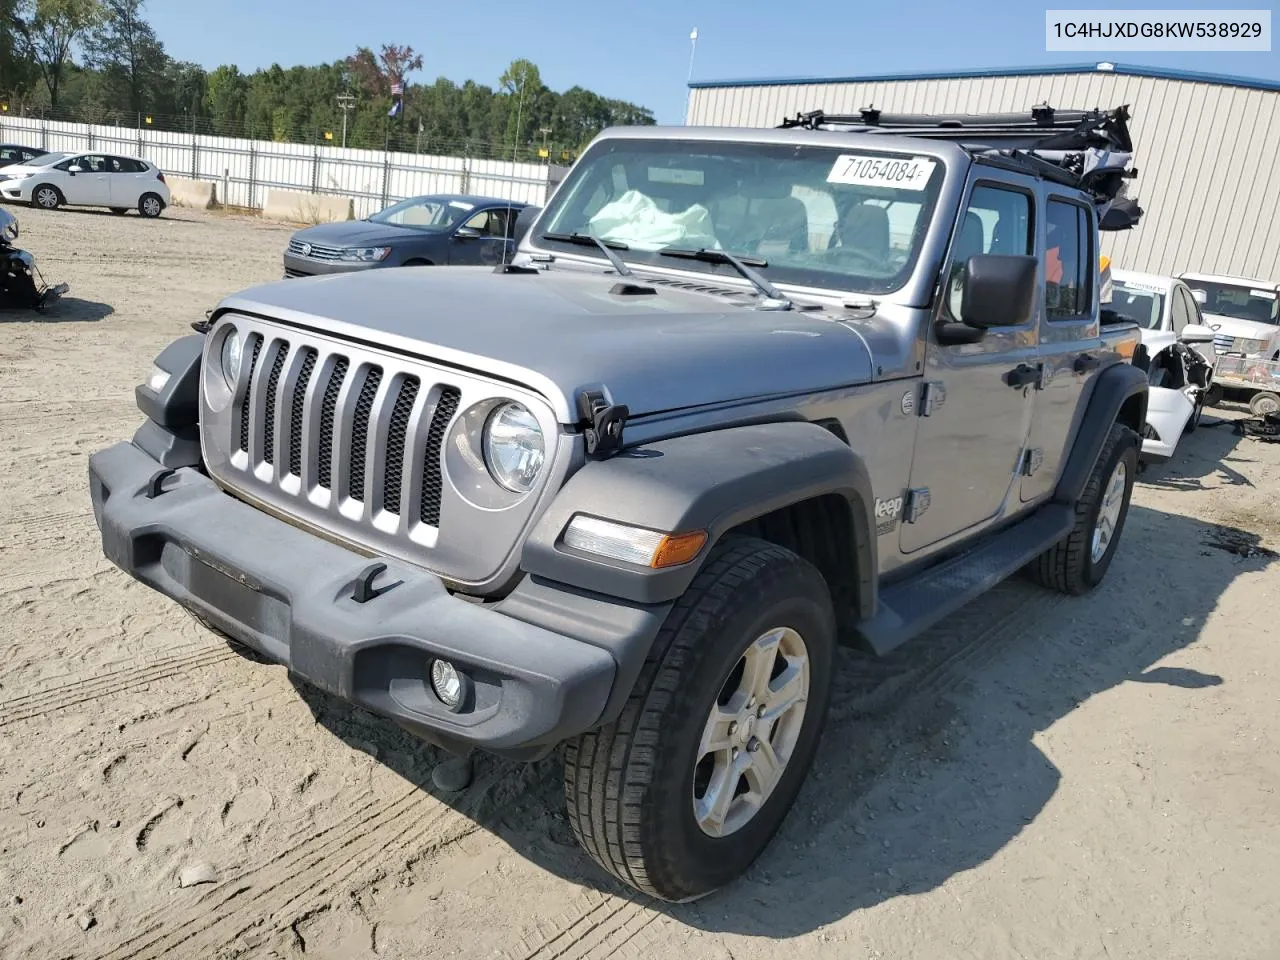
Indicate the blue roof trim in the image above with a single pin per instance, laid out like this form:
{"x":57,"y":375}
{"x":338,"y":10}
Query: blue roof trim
{"x":1162,"y":73}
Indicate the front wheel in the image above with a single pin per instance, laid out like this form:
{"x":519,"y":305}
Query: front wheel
{"x":1077,"y":564}
{"x":46,"y":197}
{"x":681,"y":793}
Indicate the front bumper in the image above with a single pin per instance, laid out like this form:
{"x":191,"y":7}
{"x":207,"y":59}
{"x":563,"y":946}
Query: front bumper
{"x":290,"y":595}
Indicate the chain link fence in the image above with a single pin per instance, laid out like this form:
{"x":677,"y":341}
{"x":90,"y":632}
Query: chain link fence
{"x":244,"y":169}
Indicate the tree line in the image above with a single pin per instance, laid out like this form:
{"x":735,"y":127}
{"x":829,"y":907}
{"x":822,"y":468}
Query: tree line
{"x":100,"y":61}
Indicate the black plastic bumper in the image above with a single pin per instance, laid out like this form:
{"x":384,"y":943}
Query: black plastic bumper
{"x":290,"y":595}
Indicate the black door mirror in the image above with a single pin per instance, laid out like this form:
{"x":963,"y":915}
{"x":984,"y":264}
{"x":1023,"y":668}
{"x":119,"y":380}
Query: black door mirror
{"x":998,"y":290}
{"x":524,"y":220}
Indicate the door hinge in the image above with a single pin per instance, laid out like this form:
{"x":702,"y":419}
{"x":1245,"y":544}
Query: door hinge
{"x":932,"y":397}
{"x":917,"y":504}
{"x":1031,"y":462}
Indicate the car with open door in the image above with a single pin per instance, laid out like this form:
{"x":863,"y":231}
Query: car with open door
{"x":431,"y":230}
{"x":119,"y":183}
{"x":1176,"y":352}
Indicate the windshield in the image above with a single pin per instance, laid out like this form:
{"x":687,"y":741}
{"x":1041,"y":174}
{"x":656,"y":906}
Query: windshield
{"x":1242,"y":303}
{"x":807,"y":215}
{"x":425,"y":213}
{"x":44,"y":159}
{"x":1143,"y":305}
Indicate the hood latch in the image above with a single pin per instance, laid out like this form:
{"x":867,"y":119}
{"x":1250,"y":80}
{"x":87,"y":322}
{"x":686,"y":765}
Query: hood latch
{"x":602,"y":423}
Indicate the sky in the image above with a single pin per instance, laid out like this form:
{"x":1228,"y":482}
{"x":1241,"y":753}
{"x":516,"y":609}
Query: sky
{"x":641,"y":51}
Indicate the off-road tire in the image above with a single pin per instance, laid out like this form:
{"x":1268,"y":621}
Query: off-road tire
{"x":40,"y":191}
{"x":629,"y":785}
{"x":1068,"y":566}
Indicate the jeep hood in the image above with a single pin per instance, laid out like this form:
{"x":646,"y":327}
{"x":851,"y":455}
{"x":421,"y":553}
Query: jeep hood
{"x":562,"y":331}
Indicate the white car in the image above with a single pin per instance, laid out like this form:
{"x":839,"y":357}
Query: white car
{"x":1177,"y":352}
{"x":120,"y":183}
{"x":1241,"y":311}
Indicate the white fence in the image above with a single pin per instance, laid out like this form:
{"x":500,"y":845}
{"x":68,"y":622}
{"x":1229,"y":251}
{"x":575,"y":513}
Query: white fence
{"x":373,"y":178}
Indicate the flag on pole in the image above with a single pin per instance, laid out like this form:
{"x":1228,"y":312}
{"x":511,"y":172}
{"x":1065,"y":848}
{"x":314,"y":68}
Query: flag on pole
{"x":396,"y":108}
{"x":693,"y":34}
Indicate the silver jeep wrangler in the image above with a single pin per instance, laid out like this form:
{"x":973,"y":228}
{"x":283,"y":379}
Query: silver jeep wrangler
{"x":742,"y":395}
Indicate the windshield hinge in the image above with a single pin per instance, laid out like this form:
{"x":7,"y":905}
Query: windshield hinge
{"x":205,"y":325}
{"x":602,"y":423}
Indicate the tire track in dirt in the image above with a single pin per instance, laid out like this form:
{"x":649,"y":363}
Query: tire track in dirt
{"x":64,"y":696}
{"x":602,"y":925}
{"x":264,"y":901}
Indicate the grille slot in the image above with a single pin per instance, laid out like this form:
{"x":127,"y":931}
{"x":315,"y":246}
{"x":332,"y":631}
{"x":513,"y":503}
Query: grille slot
{"x":360,"y":433}
{"x":256,"y":340}
{"x":295,"y":419}
{"x":396,"y":433}
{"x":446,"y":407}
{"x":269,"y":421}
{"x":324,"y":466}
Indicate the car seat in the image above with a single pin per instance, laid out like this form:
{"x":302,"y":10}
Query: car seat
{"x":866,"y":228}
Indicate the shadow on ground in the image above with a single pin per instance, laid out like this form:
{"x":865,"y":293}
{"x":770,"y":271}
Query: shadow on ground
{"x":65,"y":309}
{"x":917,"y":779}
{"x":1210,"y":452}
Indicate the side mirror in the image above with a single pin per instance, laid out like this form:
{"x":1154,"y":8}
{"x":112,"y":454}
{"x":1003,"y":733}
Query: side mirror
{"x":1200,"y":297}
{"x":74,"y":170}
{"x":467,"y":233}
{"x":1196,"y":333}
{"x":998,"y":290}
{"x":524,"y":220}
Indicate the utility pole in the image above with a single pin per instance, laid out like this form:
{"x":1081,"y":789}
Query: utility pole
{"x":346,"y":102}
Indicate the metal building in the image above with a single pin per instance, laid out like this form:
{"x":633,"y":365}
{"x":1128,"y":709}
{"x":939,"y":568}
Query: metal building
{"x":1206,"y":147}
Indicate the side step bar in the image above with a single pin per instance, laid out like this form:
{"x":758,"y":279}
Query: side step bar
{"x":912,"y":606}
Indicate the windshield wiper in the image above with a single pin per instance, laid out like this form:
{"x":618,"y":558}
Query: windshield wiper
{"x":590,"y":240}
{"x":742,"y":264}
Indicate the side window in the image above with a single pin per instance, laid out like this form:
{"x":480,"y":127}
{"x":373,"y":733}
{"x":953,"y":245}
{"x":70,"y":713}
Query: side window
{"x":1068,"y":261}
{"x":1181,"y":310}
{"x":998,"y":221}
{"x":488,"y":222}
{"x":67,"y":164}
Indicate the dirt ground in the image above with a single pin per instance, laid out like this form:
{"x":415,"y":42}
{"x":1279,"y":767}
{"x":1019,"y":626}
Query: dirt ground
{"x":1041,"y":777}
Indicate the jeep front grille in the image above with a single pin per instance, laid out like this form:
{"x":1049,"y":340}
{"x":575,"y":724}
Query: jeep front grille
{"x":374,"y":448}
{"x":361,"y":415}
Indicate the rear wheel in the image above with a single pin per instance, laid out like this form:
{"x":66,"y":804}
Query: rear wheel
{"x":681,"y":793}
{"x":47,"y":197}
{"x":1078,"y":563}
{"x":150,"y":205}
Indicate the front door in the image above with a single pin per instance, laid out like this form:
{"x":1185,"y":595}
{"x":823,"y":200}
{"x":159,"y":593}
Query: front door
{"x":1070,"y":339}
{"x":976,"y":410}
{"x":91,"y":186}
{"x":487,"y":245}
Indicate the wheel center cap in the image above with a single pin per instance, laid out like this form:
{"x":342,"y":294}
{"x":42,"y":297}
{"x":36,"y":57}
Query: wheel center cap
{"x":747,"y":728}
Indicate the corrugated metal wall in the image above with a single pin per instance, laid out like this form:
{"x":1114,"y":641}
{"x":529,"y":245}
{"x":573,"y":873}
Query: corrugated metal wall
{"x":1207,"y":154}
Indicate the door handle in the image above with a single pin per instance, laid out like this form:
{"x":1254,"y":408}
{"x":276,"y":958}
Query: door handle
{"x":1023,"y":375}
{"x":1086,"y":362}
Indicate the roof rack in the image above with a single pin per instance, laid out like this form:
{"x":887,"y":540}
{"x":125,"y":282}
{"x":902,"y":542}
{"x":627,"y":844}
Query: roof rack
{"x":1086,"y":149}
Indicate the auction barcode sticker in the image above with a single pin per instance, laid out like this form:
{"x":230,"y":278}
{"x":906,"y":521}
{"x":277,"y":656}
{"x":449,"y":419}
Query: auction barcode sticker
{"x":905,"y":173}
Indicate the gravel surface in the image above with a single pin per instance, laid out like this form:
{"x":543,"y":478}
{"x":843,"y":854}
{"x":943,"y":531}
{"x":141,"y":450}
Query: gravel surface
{"x":1040,"y":777}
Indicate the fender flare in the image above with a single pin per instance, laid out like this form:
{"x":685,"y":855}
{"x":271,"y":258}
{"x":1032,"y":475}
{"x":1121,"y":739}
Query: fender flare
{"x":711,"y":481}
{"x":1120,"y":394}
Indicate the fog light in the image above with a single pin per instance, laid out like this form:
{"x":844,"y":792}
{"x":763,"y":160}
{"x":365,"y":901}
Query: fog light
{"x":449,"y":685}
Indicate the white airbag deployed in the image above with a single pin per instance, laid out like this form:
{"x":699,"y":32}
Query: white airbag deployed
{"x":637,"y":221}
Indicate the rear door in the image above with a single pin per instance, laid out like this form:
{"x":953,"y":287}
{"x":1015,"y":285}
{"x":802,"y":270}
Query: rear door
{"x":126,"y":181}
{"x":1070,"y":337}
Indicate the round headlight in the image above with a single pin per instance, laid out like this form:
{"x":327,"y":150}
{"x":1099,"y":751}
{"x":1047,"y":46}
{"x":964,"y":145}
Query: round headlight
{"x":232,"y":355}
{"x":513,"y":449}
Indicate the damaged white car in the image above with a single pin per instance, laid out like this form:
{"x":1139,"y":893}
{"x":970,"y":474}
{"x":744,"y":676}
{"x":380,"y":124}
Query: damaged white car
{"x":1176,"y":351}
